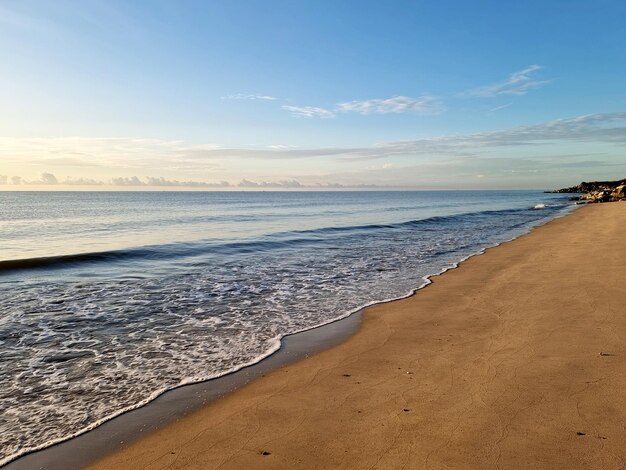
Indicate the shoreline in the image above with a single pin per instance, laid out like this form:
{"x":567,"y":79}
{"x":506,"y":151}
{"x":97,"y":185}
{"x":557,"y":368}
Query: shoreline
{"x":283,"y":381}
{"x":116,"y":433}
{"x":104,"y":437}
{"x":174,"y":404}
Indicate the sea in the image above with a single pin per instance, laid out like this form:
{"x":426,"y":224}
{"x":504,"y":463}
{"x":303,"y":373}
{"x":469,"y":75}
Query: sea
{"x":109,"y":299}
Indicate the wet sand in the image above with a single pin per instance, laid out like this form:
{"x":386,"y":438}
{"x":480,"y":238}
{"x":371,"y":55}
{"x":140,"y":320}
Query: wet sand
{"x":517,"y":359}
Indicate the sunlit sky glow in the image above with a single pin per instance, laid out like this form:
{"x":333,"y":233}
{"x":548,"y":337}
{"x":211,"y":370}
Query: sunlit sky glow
{"x":290,"y":94}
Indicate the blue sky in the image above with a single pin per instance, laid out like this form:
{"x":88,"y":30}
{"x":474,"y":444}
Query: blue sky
{"x":445,"y":94}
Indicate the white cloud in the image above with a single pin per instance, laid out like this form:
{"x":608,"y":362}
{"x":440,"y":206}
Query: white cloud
{"x":123,"y":181}
{"x":247,"y":96}
{"x":295,"y":184}
{"x":498,"y":108}
{"x":518,"y":83}
{"x":81,"y":182}
{"x":309,"y":111}
{"x":601,"y":128}
{"x":607,"y":130}
{"x":160,"y":181}
{"x":273,"y":184}
{"x":48,"y":178}
{"x":396,"y":104}
{"x":281,"y":147}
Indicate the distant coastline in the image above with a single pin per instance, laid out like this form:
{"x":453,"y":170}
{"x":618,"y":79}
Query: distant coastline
{"x":597,"y":191}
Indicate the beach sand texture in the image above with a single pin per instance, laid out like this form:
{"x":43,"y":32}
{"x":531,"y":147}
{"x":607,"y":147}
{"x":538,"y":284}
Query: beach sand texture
{"x":515,"y":360}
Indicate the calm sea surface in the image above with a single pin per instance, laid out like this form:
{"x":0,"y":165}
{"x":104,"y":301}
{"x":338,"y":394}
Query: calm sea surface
{"x":108,"y":299}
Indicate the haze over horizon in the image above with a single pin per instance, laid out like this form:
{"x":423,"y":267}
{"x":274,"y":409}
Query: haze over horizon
{"x":311,"y":94}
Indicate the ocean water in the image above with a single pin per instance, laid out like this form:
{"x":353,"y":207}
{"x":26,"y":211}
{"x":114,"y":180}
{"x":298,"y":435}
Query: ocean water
{"x":109,"y":299}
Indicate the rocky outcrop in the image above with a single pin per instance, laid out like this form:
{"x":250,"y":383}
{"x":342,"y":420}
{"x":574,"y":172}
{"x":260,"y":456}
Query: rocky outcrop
{"x":598,"y":191}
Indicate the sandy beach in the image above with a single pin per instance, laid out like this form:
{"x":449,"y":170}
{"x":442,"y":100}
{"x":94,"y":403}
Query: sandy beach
{"x":513,"y":360}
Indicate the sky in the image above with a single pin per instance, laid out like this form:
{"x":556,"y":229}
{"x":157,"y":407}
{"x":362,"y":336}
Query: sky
{"x":320,"y":94}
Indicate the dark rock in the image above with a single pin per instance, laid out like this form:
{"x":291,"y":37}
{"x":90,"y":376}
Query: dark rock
{"x":619,"y":192}
{"x":597,"y":191}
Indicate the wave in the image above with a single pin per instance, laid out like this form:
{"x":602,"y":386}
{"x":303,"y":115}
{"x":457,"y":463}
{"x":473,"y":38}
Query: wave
{"x":435,"y":220}
{"x":280,"y":240}
{"x":63,"y":260}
